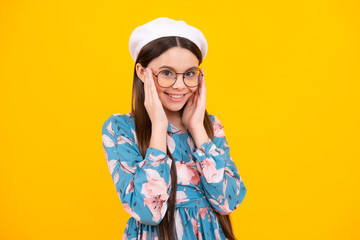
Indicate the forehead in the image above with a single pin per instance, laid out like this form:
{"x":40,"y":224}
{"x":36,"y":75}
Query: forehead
{"x":176,"y":57}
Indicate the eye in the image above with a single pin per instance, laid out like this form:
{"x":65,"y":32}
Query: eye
{"x":166,"y":73}
{"x":190,"y":74}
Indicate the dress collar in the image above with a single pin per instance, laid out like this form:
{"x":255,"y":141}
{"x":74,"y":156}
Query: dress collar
{"x":172,"y":129}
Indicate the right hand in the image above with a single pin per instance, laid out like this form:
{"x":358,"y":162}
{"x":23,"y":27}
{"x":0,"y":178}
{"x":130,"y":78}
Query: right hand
{"x":152,"y":102}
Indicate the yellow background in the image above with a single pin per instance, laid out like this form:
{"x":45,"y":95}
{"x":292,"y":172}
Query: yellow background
{"x":282,"y":76}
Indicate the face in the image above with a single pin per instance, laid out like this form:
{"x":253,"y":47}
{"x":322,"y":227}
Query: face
{"x":180,"y":60}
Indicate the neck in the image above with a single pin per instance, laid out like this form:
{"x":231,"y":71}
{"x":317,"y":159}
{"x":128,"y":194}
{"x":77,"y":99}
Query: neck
{"x":174,"y":117}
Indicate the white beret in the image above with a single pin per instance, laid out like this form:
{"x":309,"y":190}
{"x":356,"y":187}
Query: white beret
{"x":163,"y":27}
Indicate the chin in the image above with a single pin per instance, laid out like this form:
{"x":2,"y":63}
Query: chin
{"x":175,"y":108}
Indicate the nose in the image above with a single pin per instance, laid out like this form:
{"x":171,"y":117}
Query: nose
{"x":179,"y":83}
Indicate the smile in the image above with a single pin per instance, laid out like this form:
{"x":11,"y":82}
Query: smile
{"x":176,"y":97}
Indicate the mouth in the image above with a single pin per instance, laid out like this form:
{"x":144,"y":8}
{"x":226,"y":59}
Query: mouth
{"x":175,"y":97}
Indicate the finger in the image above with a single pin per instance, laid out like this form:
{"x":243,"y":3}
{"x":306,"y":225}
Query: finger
{"x":152,"y":85}
{"x":191,"y":100}
{"x":203,"y":91}
{"x":201,"y":75}
{"x":152,"y":82}
{"x":203,"y":88}
{"x":146,"y":84}
{"x":196,"y":95}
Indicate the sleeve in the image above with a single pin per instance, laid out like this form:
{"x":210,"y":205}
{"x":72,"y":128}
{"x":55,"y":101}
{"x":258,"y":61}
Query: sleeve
{"x":223,"y":185}
{"x":142,"y":184}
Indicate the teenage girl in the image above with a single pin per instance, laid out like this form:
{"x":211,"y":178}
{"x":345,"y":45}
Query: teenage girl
{"x":168,"y":157}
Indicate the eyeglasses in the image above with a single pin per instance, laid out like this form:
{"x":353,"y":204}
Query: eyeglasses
{"x":167,"y":78}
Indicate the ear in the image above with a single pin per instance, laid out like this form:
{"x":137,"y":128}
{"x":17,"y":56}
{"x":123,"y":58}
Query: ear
{"x":140,"y":71}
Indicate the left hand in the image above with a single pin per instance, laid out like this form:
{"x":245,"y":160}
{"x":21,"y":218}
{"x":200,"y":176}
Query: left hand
{"x":194,"y":111}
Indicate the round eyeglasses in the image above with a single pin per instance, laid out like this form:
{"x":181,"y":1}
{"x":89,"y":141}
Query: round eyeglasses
{"x":167,"y":78}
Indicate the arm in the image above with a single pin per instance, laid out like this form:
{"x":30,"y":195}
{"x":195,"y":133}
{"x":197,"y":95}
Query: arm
{"x":223,"y":185}
{"x":143,"y":184}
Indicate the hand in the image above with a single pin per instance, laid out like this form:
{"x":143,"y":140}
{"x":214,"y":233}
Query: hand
{"x":152,"y":102}
{"x":194,"y":111}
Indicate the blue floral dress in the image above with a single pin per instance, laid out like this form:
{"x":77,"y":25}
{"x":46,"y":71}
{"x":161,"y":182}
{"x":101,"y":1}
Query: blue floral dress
{"x":207,"y":180}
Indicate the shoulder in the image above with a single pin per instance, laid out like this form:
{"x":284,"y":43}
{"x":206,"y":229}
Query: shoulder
{"x":119,"y":124}
{"x":215,"y":120}
{"x":218,"y":126}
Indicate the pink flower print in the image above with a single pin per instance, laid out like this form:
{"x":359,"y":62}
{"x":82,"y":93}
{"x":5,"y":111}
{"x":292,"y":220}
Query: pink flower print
{"x":174,"y":129}
{"x":191,"y":143}
{"x":181,"y":196}
{"x":170,"y":143}
{"x":111,"y":165}
{"x":213,"y":201}
{"x":153,"y":236}
{"x":107,"y":141}
{"x":225,"y":207}
{"x":131,"y":212}
{"x":156,"y":194}
{"x":214,"y":151}
{"x":143,"y":162}
{"x":106,"y":155}
{"x":231,"y":174}
{"x":130,"y":187}
{"x":228,"y":172}
{"x":203,"y":212}
{"x":225,"y":182}
{"x":238,"y":186}
{"x":110,"y":129}
{"x":122,"y":139}
{"x":207,"y":167}
{"x":126,"y":168}
{"x":156,"y":206}
{"x":217,"y":234}
{"x":157,"y":160}
{"x":134,"y":133}
{"x":125,"y":236}
{"x":218,"y":128}
{"x":186,"y":173}
{"x":195,"y":227}
{"x":145,"y":235}
{"x":218,"y":151}
{"x":179,"y":225}
{"x":155,"y":184}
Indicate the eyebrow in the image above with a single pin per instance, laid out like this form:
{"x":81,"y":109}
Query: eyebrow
{"x":166,"y":66}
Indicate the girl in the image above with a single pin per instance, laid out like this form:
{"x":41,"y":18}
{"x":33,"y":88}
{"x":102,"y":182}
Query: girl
{"x":168,"y":157}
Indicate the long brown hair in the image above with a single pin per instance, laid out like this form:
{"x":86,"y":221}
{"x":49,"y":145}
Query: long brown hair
{"x":166,"y":228}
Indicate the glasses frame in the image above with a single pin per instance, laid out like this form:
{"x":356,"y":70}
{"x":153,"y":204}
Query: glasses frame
{"x":176,"y":74}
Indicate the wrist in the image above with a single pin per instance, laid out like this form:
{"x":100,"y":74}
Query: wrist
{"x":199,"y":136}
{"x":159,"y":127}
{"x":196,"y":128}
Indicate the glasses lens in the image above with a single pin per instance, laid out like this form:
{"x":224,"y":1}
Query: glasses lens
{"x":191,"y":78}
{"x":166,"y":78}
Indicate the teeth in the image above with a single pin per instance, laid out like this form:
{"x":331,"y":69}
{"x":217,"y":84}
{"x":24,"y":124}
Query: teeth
{"x":176,"y":96}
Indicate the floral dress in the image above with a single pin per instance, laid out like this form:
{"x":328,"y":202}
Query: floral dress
{"x":207,"y":180}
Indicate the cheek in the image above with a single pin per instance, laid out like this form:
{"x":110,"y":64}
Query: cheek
{"x":193,"y":90}
{"x":159,"y":90}
{"x":160,"y":93}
